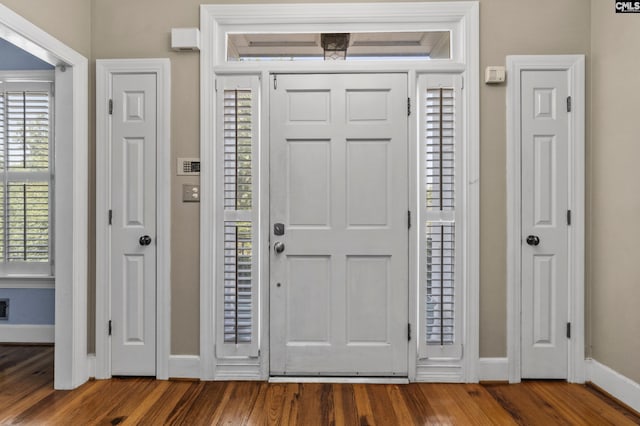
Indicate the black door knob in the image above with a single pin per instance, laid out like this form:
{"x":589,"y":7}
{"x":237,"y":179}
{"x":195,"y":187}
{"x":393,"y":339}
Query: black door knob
{"x":533,"y":240}
{"x":145,"y":240}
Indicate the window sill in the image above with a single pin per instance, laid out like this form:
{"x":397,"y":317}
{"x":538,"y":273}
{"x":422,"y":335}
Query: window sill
{"x":27,"y":281}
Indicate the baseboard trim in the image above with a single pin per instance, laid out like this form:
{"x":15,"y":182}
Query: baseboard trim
{"x":493,"y":369}
{"x":614,"y":383}
{"x":351,"y":380}
{"x":184,"y":367}
{"x":27,"y":333}
{"x":91,"y":366}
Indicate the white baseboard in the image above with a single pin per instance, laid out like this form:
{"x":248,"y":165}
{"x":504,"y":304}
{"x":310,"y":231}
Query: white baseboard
{"x":27,"y":333}
{"x":91,"y":366}
{"x":614,"y":383}
{"x":493,"y":369}
{"x":184,"y":367}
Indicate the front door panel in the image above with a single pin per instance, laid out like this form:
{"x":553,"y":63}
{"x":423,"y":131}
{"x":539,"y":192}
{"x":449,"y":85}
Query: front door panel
{"x":339,"y":289}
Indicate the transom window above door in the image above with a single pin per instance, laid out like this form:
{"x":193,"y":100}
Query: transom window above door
{"x":354,"y":46}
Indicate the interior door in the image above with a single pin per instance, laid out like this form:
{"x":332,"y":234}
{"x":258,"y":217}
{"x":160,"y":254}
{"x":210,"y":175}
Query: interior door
{"x":133,"y":225}
{"x":339,"y":237}
{"x":545,"y":164}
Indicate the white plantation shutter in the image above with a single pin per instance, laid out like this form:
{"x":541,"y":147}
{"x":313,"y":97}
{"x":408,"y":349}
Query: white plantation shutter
{"x":25,"y":153}
{"x":440,"y":288}
{"x":237,"y":106}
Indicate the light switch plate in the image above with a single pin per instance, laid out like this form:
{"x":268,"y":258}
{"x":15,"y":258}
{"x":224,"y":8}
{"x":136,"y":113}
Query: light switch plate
{"x":190,"y":193}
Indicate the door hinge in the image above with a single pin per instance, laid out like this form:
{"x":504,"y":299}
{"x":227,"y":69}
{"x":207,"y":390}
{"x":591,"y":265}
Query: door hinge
{"x":408,"y":106}
{"x":110,"y":106}
{"x":568,"y":330}
{"x":409,"y":331}
{"x":409,"y":219}
{"x":109,"y":327}
{"x":215,"y":85}
{"x":568,"y":103}
{"x":568,"y":217}
{"x":275,"y":82}
{"x":110,"y":216}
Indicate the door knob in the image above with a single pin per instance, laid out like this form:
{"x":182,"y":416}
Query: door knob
{"x":145,"y":240}
{"x":533,"y":240}
{"x":278,"y":247}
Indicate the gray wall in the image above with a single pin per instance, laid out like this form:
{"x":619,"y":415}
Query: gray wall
{"x":613,"y":255}
{"x":29,"y":305}
{"x":14,"y":58}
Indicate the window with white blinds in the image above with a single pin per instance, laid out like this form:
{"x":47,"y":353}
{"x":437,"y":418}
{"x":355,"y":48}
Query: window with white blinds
{"x":238,"y":289}
{"x":25,"y":187}
{"x":440,"y":287}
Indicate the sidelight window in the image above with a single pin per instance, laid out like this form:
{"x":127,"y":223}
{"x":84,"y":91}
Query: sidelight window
{"x":440,"y":296}
{"x":237,"y":103}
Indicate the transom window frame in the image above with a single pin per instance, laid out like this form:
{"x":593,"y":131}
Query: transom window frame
{"x":462,"y":19}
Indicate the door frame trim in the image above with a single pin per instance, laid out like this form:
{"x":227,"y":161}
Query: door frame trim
{"x":72,"y":193}
{"x":574,"y":65}
{"x":215,"y":20}
{"x":104,"y":71}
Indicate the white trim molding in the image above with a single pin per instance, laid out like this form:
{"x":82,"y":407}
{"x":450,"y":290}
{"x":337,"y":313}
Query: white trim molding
{"x":614,"y":383}
{"x":71,"y":189}
{"x":493,"y":369}
{"x":27,"y":333}
{"x":459,"y":17}
{"x":184,"y":367}
{"x":574,"y":65}
{"x":104,"y":71}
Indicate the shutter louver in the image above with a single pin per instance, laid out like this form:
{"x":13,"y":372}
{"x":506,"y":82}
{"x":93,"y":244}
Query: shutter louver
{"x":28,"y":230}
{"x":237,"y":331}
{"x":440,"y":284}
{"x":3,"y":130}
{"x":28,"y":131}
{"x":238,"y":306}
{"x":237,"y":150}
{"x":440,"y":149}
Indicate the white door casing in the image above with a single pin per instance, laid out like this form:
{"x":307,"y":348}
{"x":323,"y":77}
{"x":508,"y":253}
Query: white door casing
{"x":133,"y":260}
{"x":545,"y":149}
{"x":339,"y":290}
{"x":218,"y":20}
{"x":571,"y":164}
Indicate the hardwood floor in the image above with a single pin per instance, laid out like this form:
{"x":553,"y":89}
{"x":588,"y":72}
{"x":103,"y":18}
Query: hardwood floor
{"x":27,"y":397}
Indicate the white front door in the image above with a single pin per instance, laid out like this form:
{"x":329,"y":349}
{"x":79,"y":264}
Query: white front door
{"x":133,"y":225}
{"x":339,"y":269}
{"x":545,"y":170}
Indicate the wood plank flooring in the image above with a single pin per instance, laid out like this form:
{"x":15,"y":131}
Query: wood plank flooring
{"x":27,"y":397}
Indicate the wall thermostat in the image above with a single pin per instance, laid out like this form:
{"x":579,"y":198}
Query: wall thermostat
{"x":494,"y":75}
{"x":188,"y":166}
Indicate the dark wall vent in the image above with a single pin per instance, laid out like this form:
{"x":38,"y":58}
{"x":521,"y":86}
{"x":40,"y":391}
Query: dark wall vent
{"x":4,"y":309}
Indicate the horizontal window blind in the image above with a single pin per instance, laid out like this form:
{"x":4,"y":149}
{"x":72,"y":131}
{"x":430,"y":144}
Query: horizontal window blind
{"x":237,"y":331}
{"x":25,"y":133}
